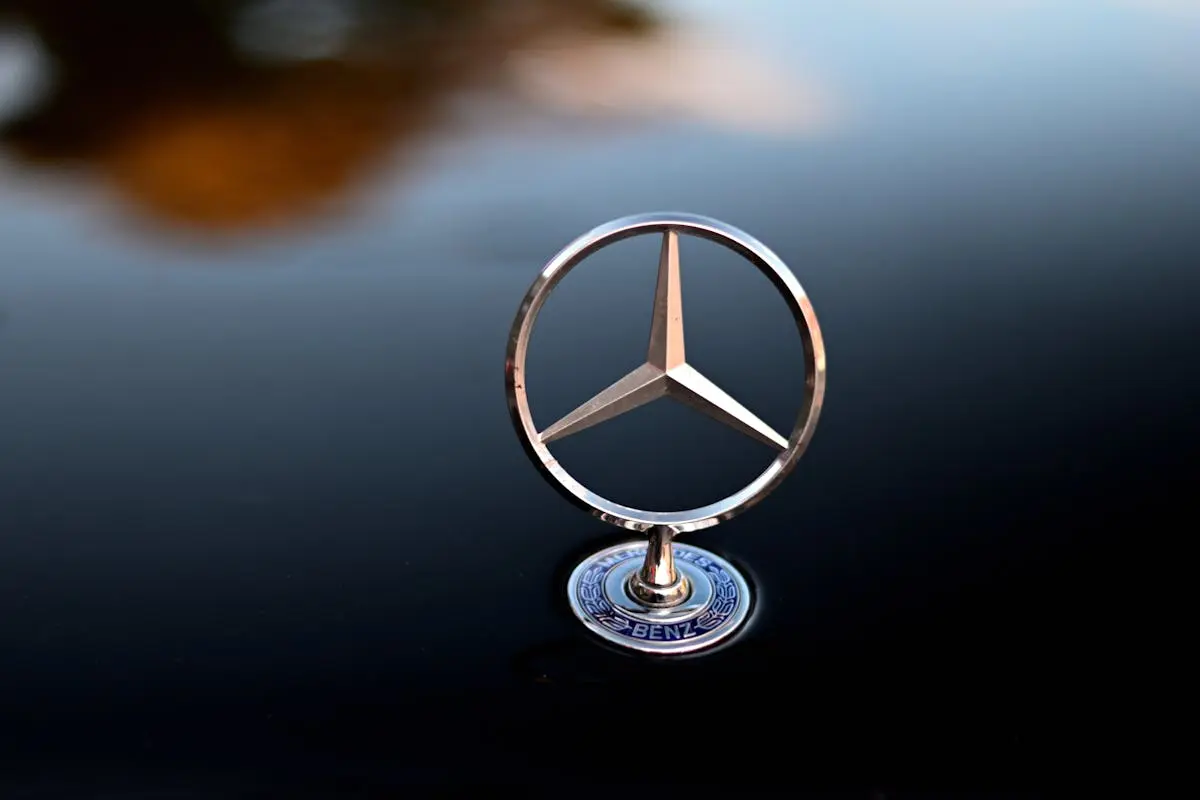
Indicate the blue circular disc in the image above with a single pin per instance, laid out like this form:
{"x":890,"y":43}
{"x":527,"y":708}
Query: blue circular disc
{"x":717,"y":606}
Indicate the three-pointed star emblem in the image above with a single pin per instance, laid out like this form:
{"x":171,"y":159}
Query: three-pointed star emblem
{"x":666,"y":372}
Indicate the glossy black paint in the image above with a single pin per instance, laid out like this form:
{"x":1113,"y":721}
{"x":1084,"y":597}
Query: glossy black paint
{"x":265,"y":525}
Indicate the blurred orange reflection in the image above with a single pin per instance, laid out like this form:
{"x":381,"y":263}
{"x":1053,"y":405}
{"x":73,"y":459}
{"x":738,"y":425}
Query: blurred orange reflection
{"x":234,"y":114}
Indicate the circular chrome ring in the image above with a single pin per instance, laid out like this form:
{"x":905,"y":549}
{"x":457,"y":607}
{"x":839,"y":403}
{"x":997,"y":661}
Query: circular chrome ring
{"x":717,"y":607}
{"x":749,"y":248}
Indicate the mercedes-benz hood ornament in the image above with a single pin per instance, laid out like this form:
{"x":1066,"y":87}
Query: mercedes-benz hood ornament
{"x":662,"y":596}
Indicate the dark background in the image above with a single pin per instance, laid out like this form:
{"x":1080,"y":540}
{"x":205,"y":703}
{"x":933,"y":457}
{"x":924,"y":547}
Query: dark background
{"x":265,"y":527}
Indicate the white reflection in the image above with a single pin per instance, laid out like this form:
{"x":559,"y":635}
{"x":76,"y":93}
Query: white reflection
{"x":24,"y":72}
{"x":683,"y":73}
{"x":295,"y":29}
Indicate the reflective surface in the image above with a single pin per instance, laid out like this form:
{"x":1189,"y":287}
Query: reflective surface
{"x":255,"y":281}
{"x":665,"y":372}
{"x":715,"y":607}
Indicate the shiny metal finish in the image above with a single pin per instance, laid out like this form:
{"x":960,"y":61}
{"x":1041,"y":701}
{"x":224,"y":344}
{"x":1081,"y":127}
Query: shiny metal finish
{"x":667,"y":604}
{"x":658,"y":584}
{"x":666,"y":372}
{"x":716,"y":608}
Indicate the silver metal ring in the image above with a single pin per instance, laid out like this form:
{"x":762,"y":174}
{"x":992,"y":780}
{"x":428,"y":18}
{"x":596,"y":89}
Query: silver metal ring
{"x":685,"y":224}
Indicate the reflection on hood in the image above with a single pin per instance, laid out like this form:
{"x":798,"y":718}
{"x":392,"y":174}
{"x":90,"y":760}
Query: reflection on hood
{"x":674,"y":73}
{"x":232,"y":115}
